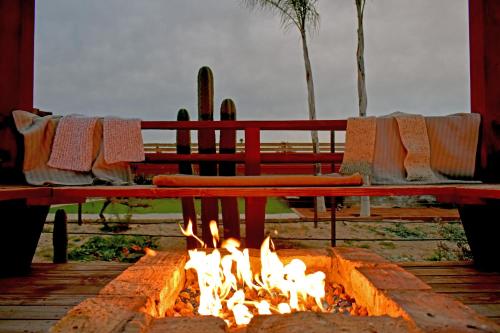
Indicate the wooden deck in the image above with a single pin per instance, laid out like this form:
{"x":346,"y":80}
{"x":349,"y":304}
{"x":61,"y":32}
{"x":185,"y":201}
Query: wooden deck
{"x":478,"y":290}
{"x":35,"y":302}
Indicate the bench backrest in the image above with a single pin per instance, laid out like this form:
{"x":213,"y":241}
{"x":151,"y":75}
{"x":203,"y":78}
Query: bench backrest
{"x":251,"y":157}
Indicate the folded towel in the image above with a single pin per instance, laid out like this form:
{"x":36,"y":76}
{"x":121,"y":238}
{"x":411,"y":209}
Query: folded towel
{"x":359,"y":146}
{"x":235,"y":181}
{"x":73,"y":144}
{"x":413,"y":133}
{"x":122,"y":140}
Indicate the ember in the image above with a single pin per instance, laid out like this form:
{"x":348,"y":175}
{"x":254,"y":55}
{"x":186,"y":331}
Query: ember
{"x":225,"y":285}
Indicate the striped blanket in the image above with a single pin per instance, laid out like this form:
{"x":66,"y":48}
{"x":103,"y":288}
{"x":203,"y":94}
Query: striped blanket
{"x":39,"y":140}
{"x":411,"y":149}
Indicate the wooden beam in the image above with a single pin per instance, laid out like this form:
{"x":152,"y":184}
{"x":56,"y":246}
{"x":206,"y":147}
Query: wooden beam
{"x":484,"y":29}
{"x":17,"y":19}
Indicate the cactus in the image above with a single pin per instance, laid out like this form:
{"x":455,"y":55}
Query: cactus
{"x":206,"y":145}
{"x":183,"y":146}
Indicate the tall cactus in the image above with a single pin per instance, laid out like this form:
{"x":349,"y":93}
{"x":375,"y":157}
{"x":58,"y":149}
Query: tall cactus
{"x":230,"y":212}
{"x":206,"y":145}
{"x":183,"y":146}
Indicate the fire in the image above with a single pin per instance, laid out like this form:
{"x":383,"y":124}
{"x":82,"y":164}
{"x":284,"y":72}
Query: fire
{"x":226,"y":280}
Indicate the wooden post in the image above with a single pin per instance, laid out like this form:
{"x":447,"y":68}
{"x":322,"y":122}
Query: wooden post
{"x":183,"y":146}
{"x":482,"y":227}
{"x":206,"y":145}
{"x":60,"y":237}
{"x":22,"y":226}
{"x":484,"y":29}
{"x":17,"y":19}
{"x":333,"y":200}
{"x":333,"y":221}
{"x":255,"y":207}
{"x":481,"y":222}
{"x":230,"y":212}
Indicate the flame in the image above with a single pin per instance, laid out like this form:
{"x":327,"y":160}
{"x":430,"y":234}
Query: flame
{"x":188,"y":232}
{"x":223,"y":280}
{"x":215,"y":232}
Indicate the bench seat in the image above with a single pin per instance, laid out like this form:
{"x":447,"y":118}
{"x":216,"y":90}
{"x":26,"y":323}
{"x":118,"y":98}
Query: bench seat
{"x":55,"y":195}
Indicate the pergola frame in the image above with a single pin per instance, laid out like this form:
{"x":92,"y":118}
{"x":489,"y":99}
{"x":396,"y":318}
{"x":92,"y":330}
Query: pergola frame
{"x":17,"y":27}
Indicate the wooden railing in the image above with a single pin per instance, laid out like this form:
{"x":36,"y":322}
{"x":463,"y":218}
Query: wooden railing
{"x":252,"y":154}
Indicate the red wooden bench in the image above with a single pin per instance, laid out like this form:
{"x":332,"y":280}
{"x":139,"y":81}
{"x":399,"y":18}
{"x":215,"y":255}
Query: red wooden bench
{"x":475,"y":202}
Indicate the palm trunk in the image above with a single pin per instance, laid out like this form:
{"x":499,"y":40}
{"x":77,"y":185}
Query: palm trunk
{"x":320,"y":203}
{"x":360,"y":56}
{"x":362,"y":97}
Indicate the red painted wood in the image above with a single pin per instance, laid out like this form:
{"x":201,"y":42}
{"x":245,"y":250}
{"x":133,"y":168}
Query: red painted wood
{"x":240,"y":157}
{"x":13,"y":192}
{"x":147,"y":191}
{"x":16,"y":79}
{"x":484,"y":32}
{"x":290,"y":125}
{"x":230,"y":211}
{"x":255,"y":207}
{"x":267,"y":169}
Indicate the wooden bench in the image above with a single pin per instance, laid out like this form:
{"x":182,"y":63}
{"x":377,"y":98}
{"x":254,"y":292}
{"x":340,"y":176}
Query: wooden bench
{"x":476,"y":203}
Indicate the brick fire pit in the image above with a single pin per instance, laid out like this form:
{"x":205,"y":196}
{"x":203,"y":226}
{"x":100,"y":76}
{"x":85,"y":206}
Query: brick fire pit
{"x":397,"y":301}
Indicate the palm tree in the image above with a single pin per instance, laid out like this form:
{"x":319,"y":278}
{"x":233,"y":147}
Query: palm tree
{"x":362,"y":97}
{"x":360,"y":57}
{"x":305,"y":17}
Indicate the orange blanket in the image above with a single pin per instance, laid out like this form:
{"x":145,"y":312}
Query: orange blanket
{"x":244,"y":181}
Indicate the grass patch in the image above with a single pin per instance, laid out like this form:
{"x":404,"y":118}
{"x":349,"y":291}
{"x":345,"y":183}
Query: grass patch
{"x":159,"y":206}
{"x":401,"y":230}
{"x":452,"y":233}
{"x":387,"y":245}
{"x":115,"y":248}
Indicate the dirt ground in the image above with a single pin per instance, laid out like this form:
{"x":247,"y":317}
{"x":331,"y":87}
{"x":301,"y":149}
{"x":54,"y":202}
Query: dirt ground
{"x":391,"y":233}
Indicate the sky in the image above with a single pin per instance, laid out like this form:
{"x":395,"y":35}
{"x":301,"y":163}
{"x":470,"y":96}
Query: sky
{"x":134,"y":58}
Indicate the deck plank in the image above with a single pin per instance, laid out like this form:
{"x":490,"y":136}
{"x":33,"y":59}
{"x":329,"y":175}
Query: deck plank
{"x":478,"y":290}
{"x":34,"y":303}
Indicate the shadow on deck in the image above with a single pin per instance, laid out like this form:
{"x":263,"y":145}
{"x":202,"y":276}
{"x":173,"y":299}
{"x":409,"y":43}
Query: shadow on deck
{"x":35,"y":302}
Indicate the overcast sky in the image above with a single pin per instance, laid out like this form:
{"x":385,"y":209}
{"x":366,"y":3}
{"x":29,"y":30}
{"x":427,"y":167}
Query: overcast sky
{"x":140,"y":58}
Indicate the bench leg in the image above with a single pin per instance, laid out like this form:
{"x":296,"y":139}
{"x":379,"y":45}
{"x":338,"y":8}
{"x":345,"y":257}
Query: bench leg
{"x":22,"y":226}
{"x":333,"y":221}
{"x":60,"y":237}
{"x":255,"y":215}
{"x":230,"y":217}
{"x":482,"y":227}
{"x":189,"y":215}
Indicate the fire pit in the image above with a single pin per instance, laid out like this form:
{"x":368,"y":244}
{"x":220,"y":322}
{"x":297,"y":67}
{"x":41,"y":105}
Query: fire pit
{"x":379,"y":296}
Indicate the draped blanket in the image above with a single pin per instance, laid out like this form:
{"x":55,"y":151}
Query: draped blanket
{"x":412,"y":149}
{"x":70,"y":151}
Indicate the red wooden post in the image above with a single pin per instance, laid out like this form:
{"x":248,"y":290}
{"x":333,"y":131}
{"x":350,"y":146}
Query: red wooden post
{"x":230,"y":211}
{"x":17,"y":18}
{"x":255,"y":208}
{"x":22,"y":224}
{"x":484,"y":32}
{"x":482,"y":222}
{"x":333,"y":201}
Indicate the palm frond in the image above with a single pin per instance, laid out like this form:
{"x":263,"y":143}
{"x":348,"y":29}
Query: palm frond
{"x":301,"y":13}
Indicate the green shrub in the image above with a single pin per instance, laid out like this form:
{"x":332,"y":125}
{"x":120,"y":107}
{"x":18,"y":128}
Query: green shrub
{"x":115,"y":248}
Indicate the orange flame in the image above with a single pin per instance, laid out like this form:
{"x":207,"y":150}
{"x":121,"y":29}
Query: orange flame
{"x":217,"y":280}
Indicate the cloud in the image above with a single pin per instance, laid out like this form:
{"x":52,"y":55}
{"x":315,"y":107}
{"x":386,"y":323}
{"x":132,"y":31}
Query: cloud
{"x":140,"y":58}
